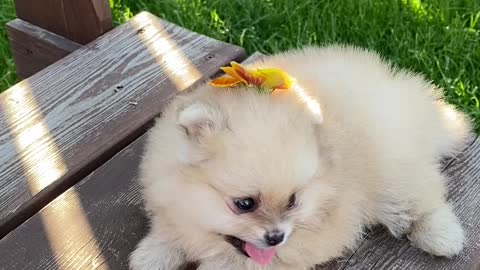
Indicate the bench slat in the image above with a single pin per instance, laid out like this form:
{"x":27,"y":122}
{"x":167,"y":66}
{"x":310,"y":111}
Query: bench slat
{"x":34,"y":48}
{"x":95,"y":223}
{"x":65,"y":121}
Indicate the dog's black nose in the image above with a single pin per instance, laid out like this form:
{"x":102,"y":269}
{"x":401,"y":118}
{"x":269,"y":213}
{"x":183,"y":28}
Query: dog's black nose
{"x":274,"y":238}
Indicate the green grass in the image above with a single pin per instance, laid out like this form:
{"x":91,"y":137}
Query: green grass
{"x":7,"y":68}
{"x":438,"y":38}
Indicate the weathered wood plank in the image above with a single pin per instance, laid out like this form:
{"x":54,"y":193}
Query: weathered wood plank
{"x":35,"y":48}
{"x":64,"y":121}
{"x":381,"y":251}
{"x":80,"y":21}
{"x":107,"y":202}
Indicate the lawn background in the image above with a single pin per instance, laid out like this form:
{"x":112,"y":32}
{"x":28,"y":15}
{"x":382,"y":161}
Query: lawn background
{"x":438,"y":38}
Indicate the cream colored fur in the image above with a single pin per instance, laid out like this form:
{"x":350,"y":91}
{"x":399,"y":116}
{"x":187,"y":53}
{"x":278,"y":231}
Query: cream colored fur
{"x":371,"y":157}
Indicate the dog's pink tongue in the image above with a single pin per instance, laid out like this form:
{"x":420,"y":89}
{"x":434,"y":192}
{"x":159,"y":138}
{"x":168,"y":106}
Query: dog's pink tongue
{"x":260,"y":256}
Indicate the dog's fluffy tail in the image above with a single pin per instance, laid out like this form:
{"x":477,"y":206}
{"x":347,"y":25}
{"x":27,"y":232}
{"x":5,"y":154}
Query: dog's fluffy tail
{"x":457,"y":131}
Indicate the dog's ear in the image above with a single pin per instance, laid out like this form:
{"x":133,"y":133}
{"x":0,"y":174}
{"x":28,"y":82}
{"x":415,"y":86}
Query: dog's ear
{"x":201,"y":119}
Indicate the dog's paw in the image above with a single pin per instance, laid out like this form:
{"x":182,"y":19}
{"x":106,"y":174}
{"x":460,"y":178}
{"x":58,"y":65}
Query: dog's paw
{"x":153,"y":254}
{"x":439,"y":233}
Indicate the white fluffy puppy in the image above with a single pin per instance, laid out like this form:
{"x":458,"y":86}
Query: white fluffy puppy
{"x":235,"y":179}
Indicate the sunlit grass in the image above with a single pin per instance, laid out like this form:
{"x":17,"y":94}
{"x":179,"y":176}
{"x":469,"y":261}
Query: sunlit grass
{"x":439,"y":38}
{"x":7,"y":69}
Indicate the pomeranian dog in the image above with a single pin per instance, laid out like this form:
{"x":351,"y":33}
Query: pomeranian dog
{"x":236,"y":179}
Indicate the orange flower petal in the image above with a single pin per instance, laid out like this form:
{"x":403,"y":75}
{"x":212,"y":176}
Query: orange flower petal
{"x":224,"y":81}
{"x":250,"y":77}
{"x":240,"y":71}
{"x":266,"y":78}
{"x":232,"y":73}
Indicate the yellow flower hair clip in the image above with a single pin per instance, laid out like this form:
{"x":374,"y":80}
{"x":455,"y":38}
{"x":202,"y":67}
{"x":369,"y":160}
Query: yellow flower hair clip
{"x":266,"y":80}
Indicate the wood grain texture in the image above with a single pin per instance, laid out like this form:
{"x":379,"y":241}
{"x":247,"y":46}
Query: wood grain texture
{"x":66,"y":120}
{"x":35,"y":48}
{"x":108,"y":202}
{"x":111,"y":203}
{"x":80,"y":21}
{"x":380,"y":250}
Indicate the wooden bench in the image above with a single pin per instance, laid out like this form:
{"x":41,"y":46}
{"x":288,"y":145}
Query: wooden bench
{"x":84,"y":118}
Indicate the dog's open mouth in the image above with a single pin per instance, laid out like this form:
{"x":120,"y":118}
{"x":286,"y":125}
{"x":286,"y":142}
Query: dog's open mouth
{"x":237,"y":243}
{"x":259,"y":255}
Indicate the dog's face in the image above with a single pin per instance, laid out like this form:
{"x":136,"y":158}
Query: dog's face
{"x":253,"y":169}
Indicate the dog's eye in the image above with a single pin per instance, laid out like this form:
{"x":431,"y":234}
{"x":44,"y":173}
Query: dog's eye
{"x":245,"y":204}
{"x":291,"y":201}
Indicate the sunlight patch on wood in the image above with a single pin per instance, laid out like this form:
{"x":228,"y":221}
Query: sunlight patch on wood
{"x":43,"y":165}
{"x":67,"y":209}
{"x":36,"y":149}
{"x":159,"y":44}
